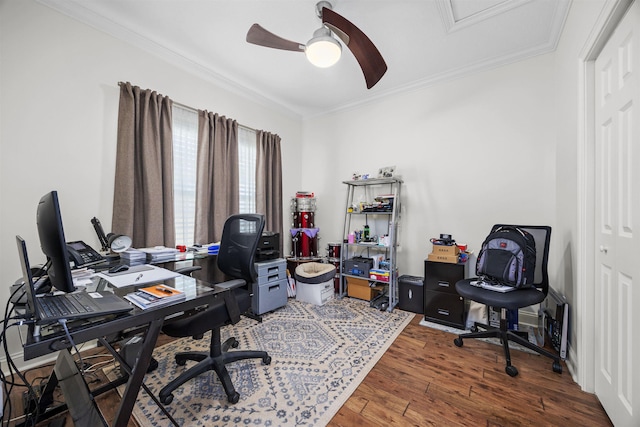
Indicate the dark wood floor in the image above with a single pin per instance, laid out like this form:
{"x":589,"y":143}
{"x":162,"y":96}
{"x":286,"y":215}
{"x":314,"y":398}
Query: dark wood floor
{"x":424,"y":379}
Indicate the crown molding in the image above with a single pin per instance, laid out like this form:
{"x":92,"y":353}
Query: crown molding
{"x":76,"y":10}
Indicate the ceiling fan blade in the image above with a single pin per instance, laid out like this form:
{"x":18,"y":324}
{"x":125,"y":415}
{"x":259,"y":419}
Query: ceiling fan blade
{"x":366,"y":53}
{"x":260,"y":36}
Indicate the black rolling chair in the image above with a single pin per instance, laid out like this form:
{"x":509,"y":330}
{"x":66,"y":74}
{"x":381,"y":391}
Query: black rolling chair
{"x":512,"y":301}
{"x":238,"y":245}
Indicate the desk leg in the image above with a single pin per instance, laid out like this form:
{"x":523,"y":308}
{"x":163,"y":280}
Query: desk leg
{"x":137,"y":375}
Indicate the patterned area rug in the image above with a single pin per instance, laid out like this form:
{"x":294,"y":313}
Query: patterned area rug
{"x":319,"y":357}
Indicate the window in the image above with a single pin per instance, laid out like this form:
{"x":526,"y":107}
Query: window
{"x":247,"y":169}
{"x":185,"y":151}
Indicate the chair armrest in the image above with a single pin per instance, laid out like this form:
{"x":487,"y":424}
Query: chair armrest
{"x":188,"y":270}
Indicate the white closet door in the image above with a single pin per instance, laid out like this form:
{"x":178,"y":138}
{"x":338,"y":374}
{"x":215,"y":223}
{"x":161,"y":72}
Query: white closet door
{"x":617,"y":310}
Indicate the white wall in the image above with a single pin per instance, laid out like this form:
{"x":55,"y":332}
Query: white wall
{"x":472,"y":152}
{"x":58,"y":111}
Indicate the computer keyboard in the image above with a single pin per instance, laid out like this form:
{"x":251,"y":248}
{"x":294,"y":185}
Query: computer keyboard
{"x":64,"y":305}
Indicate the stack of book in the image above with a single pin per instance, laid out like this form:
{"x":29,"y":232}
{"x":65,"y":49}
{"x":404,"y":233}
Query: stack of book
{"x":155,"y":296}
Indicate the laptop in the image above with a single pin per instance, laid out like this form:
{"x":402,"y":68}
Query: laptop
{"x":493,"y":286}
{"x":77,"y":305}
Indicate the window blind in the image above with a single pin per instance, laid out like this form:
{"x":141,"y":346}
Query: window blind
{"x":185,"y":150}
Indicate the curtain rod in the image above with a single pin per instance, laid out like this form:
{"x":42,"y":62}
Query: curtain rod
{"x":195,"y":109}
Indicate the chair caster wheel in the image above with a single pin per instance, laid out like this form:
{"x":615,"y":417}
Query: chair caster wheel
{"x":458,"y":342}
{"x":266,"y":360}
{"x":511,"y":370}
{"x":181,"y":361}
{"x":474,"y":328}
{"x":235,"y":343}
{"x":234,"y":398}
{"x":557,"y":367}
{"x":166,"y":400}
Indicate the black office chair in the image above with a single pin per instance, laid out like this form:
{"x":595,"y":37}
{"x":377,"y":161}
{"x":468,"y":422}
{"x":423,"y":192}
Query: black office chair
{"x":513,"y":300}
{"x":238,"y":245}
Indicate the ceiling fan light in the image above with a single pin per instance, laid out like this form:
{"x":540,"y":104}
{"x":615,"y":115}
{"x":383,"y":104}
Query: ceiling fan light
{"x":323,"y":50}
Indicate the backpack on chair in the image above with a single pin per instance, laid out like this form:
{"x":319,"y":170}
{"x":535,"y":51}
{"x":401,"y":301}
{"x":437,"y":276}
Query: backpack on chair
{"x":508,"y":256}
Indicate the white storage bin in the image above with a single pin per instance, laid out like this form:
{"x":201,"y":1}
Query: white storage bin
{"x":315,"y":293}
{"x":314,"y":282}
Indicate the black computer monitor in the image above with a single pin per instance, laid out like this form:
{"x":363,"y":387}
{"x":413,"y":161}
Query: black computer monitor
{"x":53,"y":242}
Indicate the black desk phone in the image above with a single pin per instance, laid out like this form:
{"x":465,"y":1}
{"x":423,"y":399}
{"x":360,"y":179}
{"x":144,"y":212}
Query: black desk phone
{"x":82,"y":254}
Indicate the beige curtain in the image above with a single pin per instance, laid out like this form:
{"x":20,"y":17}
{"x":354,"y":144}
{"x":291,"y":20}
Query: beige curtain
{"x":269,"y":181}
{"x":217,"y":182}
{"x":143,"y":199}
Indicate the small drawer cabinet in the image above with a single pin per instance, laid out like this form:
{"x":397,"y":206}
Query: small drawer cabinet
{"x":442,"y":304}
{"x":270,"y":288}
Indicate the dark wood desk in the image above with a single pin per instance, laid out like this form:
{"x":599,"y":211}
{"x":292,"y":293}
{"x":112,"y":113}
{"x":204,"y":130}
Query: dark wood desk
{"x":52,"y":338}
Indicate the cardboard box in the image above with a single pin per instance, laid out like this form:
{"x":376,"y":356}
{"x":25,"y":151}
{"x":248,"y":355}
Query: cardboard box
{"x":451,"y":259}
{"x":359,"y":288}
{"x":445,"y":250}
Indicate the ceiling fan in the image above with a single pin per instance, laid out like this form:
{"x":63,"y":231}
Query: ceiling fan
{"x":323,"y":50}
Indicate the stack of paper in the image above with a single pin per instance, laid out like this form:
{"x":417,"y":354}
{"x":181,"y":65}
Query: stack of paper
{"x":82,"y":276}
{"x":133,"y":256}
{"x":199,"y":249}
{"x":155,"y":296}
{"x":159,"y":253}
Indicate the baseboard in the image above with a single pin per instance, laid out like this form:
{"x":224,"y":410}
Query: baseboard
{"x":571,"y":366}
{"x":24,"y":365}
{"x":529,"y":317}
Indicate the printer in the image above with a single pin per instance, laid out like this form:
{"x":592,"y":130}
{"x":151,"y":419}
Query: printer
{"x":268,"y":246}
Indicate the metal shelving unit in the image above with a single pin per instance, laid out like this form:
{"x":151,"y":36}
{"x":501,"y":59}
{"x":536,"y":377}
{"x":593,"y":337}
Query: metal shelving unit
{"x":384,"y":222}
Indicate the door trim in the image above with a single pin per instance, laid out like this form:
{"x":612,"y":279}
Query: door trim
{"x":584,"y":369}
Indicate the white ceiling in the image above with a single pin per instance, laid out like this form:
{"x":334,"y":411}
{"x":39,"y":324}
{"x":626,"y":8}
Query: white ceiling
{"x":422,"y":41}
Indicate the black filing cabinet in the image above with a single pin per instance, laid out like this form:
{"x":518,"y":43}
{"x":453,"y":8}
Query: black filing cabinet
{"x":442,"y":304}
